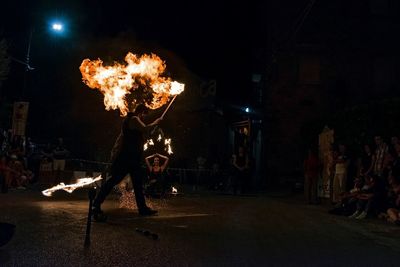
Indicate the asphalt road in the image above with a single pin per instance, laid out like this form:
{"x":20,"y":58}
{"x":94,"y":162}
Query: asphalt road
{"x":194,"y":230}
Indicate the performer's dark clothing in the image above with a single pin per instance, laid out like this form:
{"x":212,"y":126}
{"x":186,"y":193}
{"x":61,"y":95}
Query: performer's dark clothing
{"x":127,"y":161}
{"x":157,"y":175}
{"x":241,"y":176}
{"x":157,"y":182}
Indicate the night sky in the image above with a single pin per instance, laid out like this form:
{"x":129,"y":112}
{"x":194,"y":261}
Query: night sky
{"x":214,"y":40}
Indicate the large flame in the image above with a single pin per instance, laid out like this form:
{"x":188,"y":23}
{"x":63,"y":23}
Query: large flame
{"x":71,"y":187}
{"x":118,"y":81}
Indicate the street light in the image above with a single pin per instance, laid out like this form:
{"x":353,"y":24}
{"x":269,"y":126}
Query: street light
{"x":57,"y":27}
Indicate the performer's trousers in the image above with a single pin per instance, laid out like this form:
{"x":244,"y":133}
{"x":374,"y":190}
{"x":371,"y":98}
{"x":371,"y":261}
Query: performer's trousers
{"x":118,"y":172}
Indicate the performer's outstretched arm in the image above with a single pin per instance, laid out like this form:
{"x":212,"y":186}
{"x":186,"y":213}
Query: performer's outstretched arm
{"x":156,"y":121}
{"x":148,"y":162}
{"x":147,"y":125}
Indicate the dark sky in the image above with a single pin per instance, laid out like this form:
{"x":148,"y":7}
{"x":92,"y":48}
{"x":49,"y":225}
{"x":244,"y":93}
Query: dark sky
{"x":215,"y":39}
{"x":206,"y":34}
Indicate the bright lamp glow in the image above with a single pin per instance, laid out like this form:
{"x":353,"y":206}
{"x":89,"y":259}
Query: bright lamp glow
{"x":247,"y":110}
{"x":57,"y":27}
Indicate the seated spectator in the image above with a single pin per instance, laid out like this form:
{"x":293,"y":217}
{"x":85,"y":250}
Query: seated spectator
{"x":18,"y":174}
{"x":393,"y":202}
{"x":348,"y":200}
{"x":157,"y":174}
{"x":365,"y":198}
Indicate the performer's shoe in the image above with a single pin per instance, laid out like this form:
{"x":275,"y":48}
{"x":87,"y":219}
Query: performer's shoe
{"x":99,"y":215}
{"x":147,"y":212}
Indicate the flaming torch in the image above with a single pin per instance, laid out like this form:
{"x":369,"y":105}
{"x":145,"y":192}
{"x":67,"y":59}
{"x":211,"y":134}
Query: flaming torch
{"x":71,"y":187}
{"x":174,"y":191}
{"x":116,"y":82}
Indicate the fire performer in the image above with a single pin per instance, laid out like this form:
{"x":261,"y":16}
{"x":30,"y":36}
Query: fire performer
{"x":157,"y":179}
{"x":126,"y":158}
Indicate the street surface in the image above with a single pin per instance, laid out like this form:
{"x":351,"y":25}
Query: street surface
{"x":201,"y":229}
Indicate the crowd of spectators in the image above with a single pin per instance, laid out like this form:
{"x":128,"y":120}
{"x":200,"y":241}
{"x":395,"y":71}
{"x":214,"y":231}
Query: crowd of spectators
{"x":23,"y":162}
{"x":368,"y":184}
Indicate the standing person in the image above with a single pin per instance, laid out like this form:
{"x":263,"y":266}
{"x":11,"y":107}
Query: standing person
{"x":240,"y":164}
{"x":380,"y":152}
{"x":59,"y":156}
{"x":311,"y":171}
{"x":339,"y":180}
{"x":126,"y":159}
{"x":367,"y":161}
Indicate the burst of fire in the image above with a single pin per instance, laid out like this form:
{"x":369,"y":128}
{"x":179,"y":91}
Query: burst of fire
{"x":71,"y":187}
{"x":167,"y":144}
{"x":118,"y":81}
{"x":148,"y":143}
{"x":174,"y":190}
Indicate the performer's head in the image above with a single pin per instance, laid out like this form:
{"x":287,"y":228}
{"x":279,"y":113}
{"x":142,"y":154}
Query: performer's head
{"x":156,"y":161}
{"x":141,"y":110}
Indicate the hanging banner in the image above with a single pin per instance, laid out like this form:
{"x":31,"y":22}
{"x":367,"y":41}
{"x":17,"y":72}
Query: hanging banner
{"x":20,"y":116}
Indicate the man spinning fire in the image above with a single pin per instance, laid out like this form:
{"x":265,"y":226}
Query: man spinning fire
{"x":141,"y":78}
{"x":126,"y":159}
